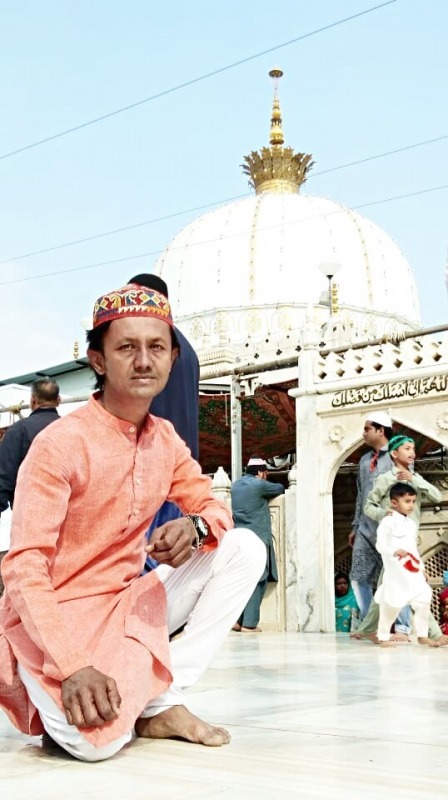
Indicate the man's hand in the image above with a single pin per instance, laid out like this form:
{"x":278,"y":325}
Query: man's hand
{"x":171,"y":543}
{"x":405,"y":475}
{"x":351,"y":538}
{"x":90,"y":699}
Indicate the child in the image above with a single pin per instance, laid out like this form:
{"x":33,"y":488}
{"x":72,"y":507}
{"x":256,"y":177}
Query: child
{"x":346,"y":607}
{"x":404,"y":580}
{"x":402,"y":452}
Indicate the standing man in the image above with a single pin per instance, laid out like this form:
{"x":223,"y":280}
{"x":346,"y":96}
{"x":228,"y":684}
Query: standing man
{"x":250,"y":508}
{"x":84,"y":640}
{"x":17,"y":439}
{"x":366,"y":561}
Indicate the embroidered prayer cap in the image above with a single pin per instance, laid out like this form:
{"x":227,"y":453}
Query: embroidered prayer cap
{"x":380,"y":418}
{"x":131,"y":300}
{"x":254,"y":461}
{"x":398,"y":440}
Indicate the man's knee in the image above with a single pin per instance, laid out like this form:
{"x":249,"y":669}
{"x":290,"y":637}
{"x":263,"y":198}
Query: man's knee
{"x":78,"y":747}
{"x":250,"y":547}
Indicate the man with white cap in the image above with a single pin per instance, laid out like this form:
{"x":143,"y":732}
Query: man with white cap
{"x":250,"y":508}
{"x":366,"y":561}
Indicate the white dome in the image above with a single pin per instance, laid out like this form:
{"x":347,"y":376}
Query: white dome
{"x":261,"y":254}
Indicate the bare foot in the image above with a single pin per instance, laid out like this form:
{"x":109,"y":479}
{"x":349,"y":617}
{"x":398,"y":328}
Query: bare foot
{"x":372,"y":637}
{"x":250,"y":630}
{"x":179,"y":723}
{"x":400,"y":637}
{"x":442,"y":641}
{"x":236,"y":627}
{"x":389,"y":643}
{"x":429,"y":642}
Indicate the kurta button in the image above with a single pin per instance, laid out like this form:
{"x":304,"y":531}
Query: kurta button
{"x":132,"y":429}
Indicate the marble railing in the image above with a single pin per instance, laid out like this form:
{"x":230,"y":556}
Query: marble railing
{"x":425,"y":351}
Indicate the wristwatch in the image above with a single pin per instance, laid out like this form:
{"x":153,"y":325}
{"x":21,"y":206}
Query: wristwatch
{"x":201,"y":530}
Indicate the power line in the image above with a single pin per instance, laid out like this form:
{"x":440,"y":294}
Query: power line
{"x":379,"y":155}
{"x":208,"y":205}
{"x":220,"y":238}
{"x":122,"y":230}
{"x":191,"y":82}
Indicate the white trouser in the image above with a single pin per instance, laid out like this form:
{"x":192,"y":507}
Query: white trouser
{"x":388,"y":615}
{"x":206,"y":594}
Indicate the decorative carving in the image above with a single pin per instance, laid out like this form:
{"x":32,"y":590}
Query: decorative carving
{"x":442,"y":420}
{"x":336,"y":433}
{"x":254,"y":322}
{"x":196,"y":329}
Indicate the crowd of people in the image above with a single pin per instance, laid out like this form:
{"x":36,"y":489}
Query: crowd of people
{"x":388,"y":586}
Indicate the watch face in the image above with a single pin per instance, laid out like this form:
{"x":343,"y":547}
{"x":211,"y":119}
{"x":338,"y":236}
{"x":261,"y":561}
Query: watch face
{"x":200,"y":526}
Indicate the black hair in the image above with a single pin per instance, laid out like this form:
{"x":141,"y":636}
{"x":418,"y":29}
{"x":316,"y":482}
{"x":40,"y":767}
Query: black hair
{"x":150,"y":281}
{"x":401,"y":489}
{"x":340,"y":575}
{"x":45,"y":390}
{"x":95,"y":341}
{"x":387,"y":431}
{"x":254,"y":469}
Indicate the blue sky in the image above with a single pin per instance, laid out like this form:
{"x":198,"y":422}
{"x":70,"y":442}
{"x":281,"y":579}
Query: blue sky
{"x":373,"y":84}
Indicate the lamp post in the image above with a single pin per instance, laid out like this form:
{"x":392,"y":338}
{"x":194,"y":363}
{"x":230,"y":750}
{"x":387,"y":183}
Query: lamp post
{"x":330,"y":269}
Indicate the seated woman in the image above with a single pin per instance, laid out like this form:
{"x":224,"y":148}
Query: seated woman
{"x":345,"y":603}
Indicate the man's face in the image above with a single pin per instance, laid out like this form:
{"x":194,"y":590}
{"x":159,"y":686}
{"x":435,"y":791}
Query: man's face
{"x":136,"y":360}
{"x":372,"y":436}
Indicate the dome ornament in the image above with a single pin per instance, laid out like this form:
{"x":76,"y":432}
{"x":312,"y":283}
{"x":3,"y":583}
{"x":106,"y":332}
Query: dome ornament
{"x":276,"y":169}
{"x":276,"y":118}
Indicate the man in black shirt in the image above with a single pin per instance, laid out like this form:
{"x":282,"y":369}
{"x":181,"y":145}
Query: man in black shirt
{"x":17,"y":439}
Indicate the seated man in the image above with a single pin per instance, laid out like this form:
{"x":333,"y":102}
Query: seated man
{"x":84,"y":647}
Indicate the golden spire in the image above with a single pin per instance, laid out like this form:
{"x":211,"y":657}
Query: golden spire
{"x":75,"y":349}
{"x":276,"y":119}
{"x":276,"y":169}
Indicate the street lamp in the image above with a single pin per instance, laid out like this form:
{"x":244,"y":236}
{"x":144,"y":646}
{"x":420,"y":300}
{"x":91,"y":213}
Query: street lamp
{"x":330,"y":269}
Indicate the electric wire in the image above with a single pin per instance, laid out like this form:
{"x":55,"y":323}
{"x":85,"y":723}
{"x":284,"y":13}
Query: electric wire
{"x":220,"y":238}
{"x":190,"y":82}
{"x":135,"y":225}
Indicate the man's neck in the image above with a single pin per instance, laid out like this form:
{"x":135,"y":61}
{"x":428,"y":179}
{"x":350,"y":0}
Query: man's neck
{"x":134,"y":412}
{"x":380,"y":445}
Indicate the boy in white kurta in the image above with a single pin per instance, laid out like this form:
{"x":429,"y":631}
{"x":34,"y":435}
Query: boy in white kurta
{"x":404,"y":581}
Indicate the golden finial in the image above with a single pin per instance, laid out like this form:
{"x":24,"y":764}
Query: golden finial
{"x":75,"y":350}
{"x":334,"y":298}
{"x":276,"y":168}
{"x":276,"y":118}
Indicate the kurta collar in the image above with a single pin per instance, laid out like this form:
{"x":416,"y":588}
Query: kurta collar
{"x":111,"y":421}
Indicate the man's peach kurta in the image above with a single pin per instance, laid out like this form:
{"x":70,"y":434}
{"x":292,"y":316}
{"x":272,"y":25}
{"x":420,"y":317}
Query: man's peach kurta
{"x":85,"y":496}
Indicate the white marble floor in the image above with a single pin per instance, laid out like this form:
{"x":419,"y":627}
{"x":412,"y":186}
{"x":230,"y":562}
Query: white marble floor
{"x":311,"y":716}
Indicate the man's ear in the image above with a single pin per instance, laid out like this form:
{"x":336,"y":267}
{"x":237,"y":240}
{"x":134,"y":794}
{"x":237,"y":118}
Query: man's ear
{"x":174,"y":355}
{"x":96,"y":360}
